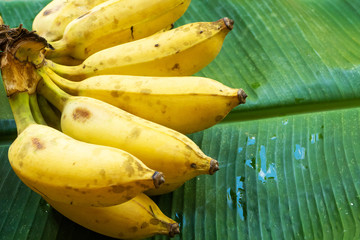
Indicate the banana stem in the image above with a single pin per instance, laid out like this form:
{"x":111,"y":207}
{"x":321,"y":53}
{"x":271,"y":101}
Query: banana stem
{"x":65,"y":84}
{"x":51,"y":117}
{"x":64,"y":70}
{"x":35,"y":110}
{"x":20,"y":106}
{"x":51,"y":92}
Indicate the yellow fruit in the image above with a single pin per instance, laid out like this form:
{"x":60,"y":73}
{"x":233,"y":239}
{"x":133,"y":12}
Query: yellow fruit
{"x":139,"y":217}
{"x":74,"y":172}
{"x":185,"y":104}
{"x":115,"y":22}
{"x":94,"y":121}
{"x":52,"y":20}
{"x":181,"y":51}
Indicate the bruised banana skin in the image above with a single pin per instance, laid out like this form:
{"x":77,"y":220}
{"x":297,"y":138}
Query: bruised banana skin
{"x":181,"y":51}
{"x":52,"y":20}
{"x":94,"y":121}
{"x":115,"y":22}
{"x":73,"y":172}
{"x":185,"y":104}
{"x":137,"y":218}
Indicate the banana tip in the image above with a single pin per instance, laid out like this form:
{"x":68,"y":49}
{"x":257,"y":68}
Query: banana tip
{"x":174,"y":229}
{"x":214,"y":166}
{"x":229,"y":23}
{"x":242,"y":96}
{"x":158,"y":179}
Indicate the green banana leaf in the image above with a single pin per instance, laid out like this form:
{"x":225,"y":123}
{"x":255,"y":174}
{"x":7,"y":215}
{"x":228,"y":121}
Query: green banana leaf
{"x":289,"y":158}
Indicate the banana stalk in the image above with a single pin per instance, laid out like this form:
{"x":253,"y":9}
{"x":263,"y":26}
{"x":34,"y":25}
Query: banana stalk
{"x":35,"y":110}
{"x":51,"y":115}
{"x":161,"y":148}
{"x":181,"y":51}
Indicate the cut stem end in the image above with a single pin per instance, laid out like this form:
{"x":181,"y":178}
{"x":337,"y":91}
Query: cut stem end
{"x":214,"y":166}
{"x":158,"y":179}
{"x":174,"y":229}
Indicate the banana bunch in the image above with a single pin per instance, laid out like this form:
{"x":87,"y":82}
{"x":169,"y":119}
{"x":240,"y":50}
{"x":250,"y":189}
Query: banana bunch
{"x":103,"y":96}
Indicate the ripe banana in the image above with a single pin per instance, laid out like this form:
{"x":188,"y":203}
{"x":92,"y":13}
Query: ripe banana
{"x":94,"y":121}
{"x":52,"y":20}
{"x":181,"y":51}
{"x":137,"y":218}
{"x":185,"y":104}
{"x":70,"y":171}
{"x":70,"y":61}
{"x":1,"y":21}
{"x":115,"y":22}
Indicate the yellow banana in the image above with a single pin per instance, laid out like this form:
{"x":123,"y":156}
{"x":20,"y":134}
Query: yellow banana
{"x":1,"y":21}
{"x":181,"y":51}
{"x":185,"y":104}
{"x":160,"y":148}
{"x":115,"y":22}
{"x":70,"y":61}
{"x":137,"y":218}
{"x":52,"y":20}
{"x":70,"y":171}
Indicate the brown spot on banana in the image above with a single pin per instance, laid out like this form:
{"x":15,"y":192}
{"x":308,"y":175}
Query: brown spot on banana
{"x":154,"y":221}
{"x":119,"y":188}
{"x":115,"y":94}
{"x":140,"y":168}
{"x":37,"y":143}
{"x":135,"y":133}
{"x":129,"y":169}
{"x":175,"y":67}
{"x":141,"y":185}
{"x":81,"y":114}
{"x":144,"y":225}
{"x":218,"y":118}
{"x":132,"y":32}
{"x":47,"y":12}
